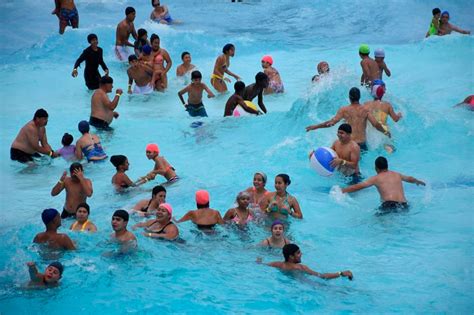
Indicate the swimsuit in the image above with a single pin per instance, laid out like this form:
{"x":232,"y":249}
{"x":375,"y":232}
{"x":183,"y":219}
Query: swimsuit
{"x":269,"y":244}
{"x":83,"y":227}
{"x":205,"y":226}
{"x":68,"y":152}
{"x":69,"y":17}
{"x":276,"y":87}
{"x":393,"y":207}
{"x":66,"y":214}
{"x":91,"y":73}
{"x":238,"y":220}
{"x":166,"y":17}
{"x":282,"y":210}
{"x":21,"y":156}
{"x":161,"y":231}
{"x":122,"y":52}
{"x":363,"y":146}
{"x":196,"y":110}
{"x":94,"y":150}
{"x":99,"y":123}
{"x":147,"y":206}
{"x":146,"y":89}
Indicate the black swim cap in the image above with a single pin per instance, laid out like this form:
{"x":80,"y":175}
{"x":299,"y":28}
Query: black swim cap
{"x":227,"y":47}
{"x":196,"y":75}
{"x":90,"y":37}
{"x":117,"y":160}
{"x":58,"y":265}
{"x":106,"y":80}
{"x":121,"y":214}
{"x":41,"y":113}
{"x":132,"y":58}
{"x":285,"y":177}
{"x":184,"y":54}
{"x":354,"y":94}
{"x":239,"y":86}
{"x":289,"y":250}
{"x":67,"y":139}
{"x":345,"y":127}
{"x":129,"y":10}
{"x":381,"y":163}
{"x":85,"y":206}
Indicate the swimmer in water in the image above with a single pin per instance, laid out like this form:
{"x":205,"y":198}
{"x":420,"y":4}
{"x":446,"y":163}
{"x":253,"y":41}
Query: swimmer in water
{"x":237,"y":99}
{"x":162,"y":227}
{"x":389,"y":185}
{"x":51,"y":237}
{"x":68,"y":150}
{"x":323,"y":69}
{"x":258,"y":192}
{"x":370,"y":69}
{"x":102,"y":109}
{"x":121,"y":234}
{"x":280,"y":204}
{"x":256,"y":89}
{"x":147,"y":207}
{"x":161,"y":14}
{"x":434,"y":26}
{"x":356,"y":116}
{"x":241,"y":214}
{"x":379,"y":55}
{"x":348,"y":153}
{"x":221,"y":67}
{"x":275,"y":85}
{"x":120,"y":180}
{"x":382,"y":109}
{"x":88,"y":145}
{"x":292,"y":255}
{"x":194,"y":106}
{"x":82,"y":219}
{"x":446,"y":28}
{"x":186,"y":66}
{"x":49,"y":278}
{"x":277,"y":239}
{"x":204,"y":217}
{"x":467,"y":103}
{"x":162,"y":167}
{"x":67,"y":14}
{"x":159,"y":56}
{"x":140,"y":73}
{"x":142,"y":41}
{"x":124,"y":29}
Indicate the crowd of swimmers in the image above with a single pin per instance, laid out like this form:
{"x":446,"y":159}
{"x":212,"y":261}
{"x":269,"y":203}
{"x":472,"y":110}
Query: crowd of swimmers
{"x":148,"y":67}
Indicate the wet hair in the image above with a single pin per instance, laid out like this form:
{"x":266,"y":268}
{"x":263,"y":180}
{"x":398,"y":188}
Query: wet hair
{"x":289,"y":250}
{"x":41,"y":113}
{"x":184,"y":54}
{"x":85,"y":206}
{"x":90,"y":37}
{"x":196,"y":75}
{"x":157,"y":189}
{"x":354,"y":94}
{"x":381,"y":163}
{"x":153,"y":37}
{"x":259,"y":77}
{"x":227,"y":47}
{"x":106,"y":80}
{"x":57,"y":265}
{"x":129,"y":10}
{"x":239,"y":86}
{"x":117,"y":160}
{"x":132,"y":58}
{"x":121,"y":214}
{"x":206,"y":205}
{"x":67,"y":139}
{"x":285,"y":177}
{"x":141,"y":32}
{"x":346,"y":128}
{"x":75,"y":166}
{"x":436,"y":11}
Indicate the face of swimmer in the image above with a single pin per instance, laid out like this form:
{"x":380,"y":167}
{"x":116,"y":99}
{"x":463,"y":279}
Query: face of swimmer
{"x":118,"y":223}
{"x":156,"y":3}
{"x":131,"y":16}
{"x":52,"y":274}
{"x":280,"y":185}
{"x":343,"y":136}
{"x":151,"y":154}
{"x":162,"y":214}
{"x":258,"y":181}
{"x":160,"y":197}
{"x":94,"y":42}
{"x":81,"y":214}
{"x":243,"y":201}
{"x":277,"y":231}
{"x":187,"y":59}
{"x":155,"y":44}
{"x":41,"y":121}
{"x":232,"y":52}
{"x":444,"y":18}
{"x":265,"y":64}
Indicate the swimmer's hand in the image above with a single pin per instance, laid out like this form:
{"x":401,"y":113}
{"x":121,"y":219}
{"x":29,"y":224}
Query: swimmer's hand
{"x":309,"y":128}
{"x":78,"y":173}
{"x":74,"y":73}
{"x":116,"y":115}
{"x":119,"y":91}
{"x":55,"y":154}
{"x":336,"y":162}
{"x":55,"y":11}
{"x":63,"y":177}
{"x":129,"y":90}
{"x":419,"y":182}
{"x":347,"y":274}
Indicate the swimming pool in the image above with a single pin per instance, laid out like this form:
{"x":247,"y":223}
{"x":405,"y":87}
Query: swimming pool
{"x":420,"y":261}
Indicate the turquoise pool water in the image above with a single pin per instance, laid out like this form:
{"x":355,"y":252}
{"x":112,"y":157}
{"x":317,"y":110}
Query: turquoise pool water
{"x":416,"y":262}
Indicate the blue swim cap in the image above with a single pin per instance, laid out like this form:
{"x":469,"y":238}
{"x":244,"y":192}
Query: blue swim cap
{"x":48,"y":215}
{"x":83,"y":126}
{"x":445,"y":13}
{"x":146,"y":49}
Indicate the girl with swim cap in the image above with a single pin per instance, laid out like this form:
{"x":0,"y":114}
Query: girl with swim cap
{"x":275,"y":85}
{"x":277,"y":239}
{"x":162,"y":167}
{"x":204,"y":217}
{"x":258,"y":192}
{"x":82,"y":219}
{"x":147,"y":207}
{"x":280,"y":204}
{"x":240,"y":215}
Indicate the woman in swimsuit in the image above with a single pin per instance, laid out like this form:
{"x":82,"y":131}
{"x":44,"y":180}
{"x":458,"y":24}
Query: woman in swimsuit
{"x":275,"y":85}
{"x":147,"y":207}
{"x":241,"y":214}
{"x":278,"y":239}
{"x":120,"y":180}
{"x":159,"y":56}
{"x":161,"y":227}
{"x":222,"y":66}
{"x":258,"y":192}
{"x":160,"y":13}
{"x":89,"y":145}
{"x":204,"y":217}
{"x":82,"y":219}
{"x":280,"y":204}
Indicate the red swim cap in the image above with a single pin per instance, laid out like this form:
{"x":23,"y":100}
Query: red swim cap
{"x":152,"y":147}
{"x":202,"y":197}
{"x":268,"y":58}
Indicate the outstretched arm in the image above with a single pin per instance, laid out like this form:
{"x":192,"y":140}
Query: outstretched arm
{"x":459,"y":30}
{"x":331,"y":122}
{"x":35,"y":276}
{"x":413,"y":180}
{"x":188,"y":216}
{"x":359,"y":186}
{"x":327,"y":276}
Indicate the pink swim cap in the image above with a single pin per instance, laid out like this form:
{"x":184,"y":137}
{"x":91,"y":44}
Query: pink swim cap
{"x":202,"y":197}
{"x":268,"y":58}
{"x":152,"y":147}
{"x":168,"y":207}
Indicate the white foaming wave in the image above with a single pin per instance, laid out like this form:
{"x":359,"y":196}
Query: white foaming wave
{"x":290,"y":142}
{"x":165,"y":29}
{"x":338,"y":196}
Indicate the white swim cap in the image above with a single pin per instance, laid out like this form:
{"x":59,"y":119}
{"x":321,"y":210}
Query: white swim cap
{"x":379,"y":52}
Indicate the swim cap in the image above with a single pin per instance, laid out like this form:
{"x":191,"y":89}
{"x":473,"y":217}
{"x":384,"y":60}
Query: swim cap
{"x":264,"y":176}
{"x":168,"y":207}
{"x":243,"y":194}
{"x":277,"y":222}
{"x":202,"y":197}
{"x":146,"y":49}
{"x":321,"y":66}
{"x":83,"y":126}
{"x":379,"y":53}
{"x":152,"y":147}
{"x":121,"y":214}
{"x":378,"y":91}
{"x":48,"y":215}
{"x":268,"y":58}
{"x":57,"y":265}
{"x":364,"y":49}
{"x":445,"y":13}
{"x":345,"y":127}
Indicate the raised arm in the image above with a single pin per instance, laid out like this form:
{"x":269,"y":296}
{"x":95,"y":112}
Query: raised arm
{"x":359,"y":186}
{"x":396,"y":117}
{"x":386,"y":69}
{"x":111,"y":104}
{"x":86,"y":184}
{"x":412,"y":180}
{"x":59,"y":185}
{"x":35,"y":276}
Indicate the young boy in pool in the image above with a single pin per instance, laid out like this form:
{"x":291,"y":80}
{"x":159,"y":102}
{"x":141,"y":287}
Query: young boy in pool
{"x":49,"y":278}
{"x":237,"y":99}
{"x":195,"y":106}
{"x":379,"y":55}
{"x":434,"y":26}
{"x":162,"y":167}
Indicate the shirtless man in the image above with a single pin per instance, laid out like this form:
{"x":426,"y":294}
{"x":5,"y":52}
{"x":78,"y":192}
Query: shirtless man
{"x":256,"y":89}
{"x":237,"y":99}
{"x":356,"y":116}
{"x":348,"y":152}
{"x":379,"y":55}
{"x":370,"y":68}
{"x":67,"y":14}
{"x":446,"y":28}
{"x":186,"y":66}
{"x":389,"y":185}
{"x":121,"y":234}
{"x":162,"y":167}
{"x":194,"y":106}
{"x":32,"y":140}
{"x":141,"y":73}
{"x":292,"y":254}
{"x":55,"y":240}
{"x":78,"y":188}
{"x":102,"y":109}
{"x":124,"y":29}
{"x":221,"y":67}
{"x":381,"y":109}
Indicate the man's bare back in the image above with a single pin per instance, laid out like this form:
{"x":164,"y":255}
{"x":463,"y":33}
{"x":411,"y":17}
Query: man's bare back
{"x":356,"y":116}
{"x":54,"y":240}
{"x":370,"y":70}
